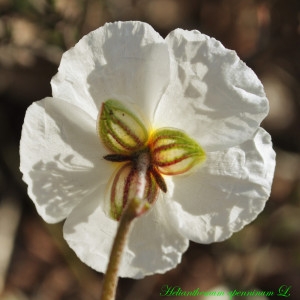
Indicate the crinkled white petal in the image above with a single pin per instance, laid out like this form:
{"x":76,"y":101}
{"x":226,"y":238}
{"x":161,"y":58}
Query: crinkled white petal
{"x":127,"y":61}
{"x":212,"y":95}
{"x":154,"y":246}
{"x":61,"y":157}
{"x":226,"y":193}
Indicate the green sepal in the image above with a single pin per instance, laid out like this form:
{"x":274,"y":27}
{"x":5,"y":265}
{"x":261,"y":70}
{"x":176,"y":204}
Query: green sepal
{"x":120,"y":130}
{"x":174,"y":152}
{"x":124,"y":187}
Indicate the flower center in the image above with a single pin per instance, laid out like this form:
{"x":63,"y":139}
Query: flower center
{"x":135,"y":159}
{"x":165,"y":151}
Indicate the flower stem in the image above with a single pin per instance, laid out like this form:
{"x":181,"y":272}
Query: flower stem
{"x":135,"y":208}
{"x":111,"y":276}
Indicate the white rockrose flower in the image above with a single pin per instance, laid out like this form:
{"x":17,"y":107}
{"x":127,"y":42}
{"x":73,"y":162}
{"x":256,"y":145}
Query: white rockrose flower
{"x":191,"y":106}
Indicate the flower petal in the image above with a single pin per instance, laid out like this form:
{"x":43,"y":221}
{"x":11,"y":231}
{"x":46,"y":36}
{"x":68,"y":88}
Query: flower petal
{"x":126,"y":61}
{"x":61,"y":157}
{"x":212,"y":95}
{"x":227,"y":193}
{"x":153,"y":247}
{"x":158,"y":246}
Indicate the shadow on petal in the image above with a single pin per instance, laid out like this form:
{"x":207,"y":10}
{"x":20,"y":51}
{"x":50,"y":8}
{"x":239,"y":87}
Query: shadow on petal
{"x":70,"y":167}
{"x":60,"y":185}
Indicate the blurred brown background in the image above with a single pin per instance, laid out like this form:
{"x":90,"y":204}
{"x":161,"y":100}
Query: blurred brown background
{"x":35,"y":262}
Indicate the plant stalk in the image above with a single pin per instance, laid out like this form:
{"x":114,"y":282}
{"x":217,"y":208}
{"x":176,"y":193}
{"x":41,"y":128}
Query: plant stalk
{"x":135,"y":208}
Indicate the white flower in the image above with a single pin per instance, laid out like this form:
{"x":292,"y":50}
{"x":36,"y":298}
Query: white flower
{"x":187,"y":81}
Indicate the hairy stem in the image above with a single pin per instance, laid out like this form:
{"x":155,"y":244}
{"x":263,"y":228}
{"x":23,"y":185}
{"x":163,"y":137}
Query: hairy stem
{"x":135,"y":207}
